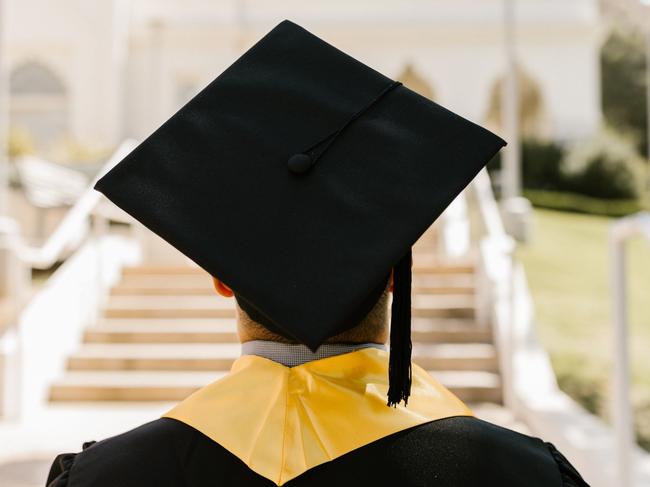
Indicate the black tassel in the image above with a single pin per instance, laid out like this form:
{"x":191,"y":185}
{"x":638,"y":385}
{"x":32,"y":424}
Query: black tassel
{"x":399,"y":363}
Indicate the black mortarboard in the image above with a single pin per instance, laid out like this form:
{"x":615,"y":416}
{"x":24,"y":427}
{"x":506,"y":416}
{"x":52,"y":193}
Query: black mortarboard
{"x":300,"y":177}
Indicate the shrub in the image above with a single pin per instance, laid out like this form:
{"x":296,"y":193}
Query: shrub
{"x":623,"y":82}
{"x":565,"y":201}
{"x":642,"y":421}
{"x":541,"y":164}
{"x":585,"y":389}
{"x":603,"y":174}
{"x":540,"y":160}
{"x":607,"y":165}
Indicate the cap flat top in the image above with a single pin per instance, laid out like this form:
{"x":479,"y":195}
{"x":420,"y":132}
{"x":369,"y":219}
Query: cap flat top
{"x":306,"y":247}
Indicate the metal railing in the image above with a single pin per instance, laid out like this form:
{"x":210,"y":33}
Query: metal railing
{"x":495,"y":288}
{"x":73,"y":294}
{"x":605,"y":457}
{"x":75,"y":219}
{"x":620,"y":232}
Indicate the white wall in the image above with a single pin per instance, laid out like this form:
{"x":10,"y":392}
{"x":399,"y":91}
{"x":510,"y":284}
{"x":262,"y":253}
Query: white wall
{"x":84,"y":44}
{"x":126,"y":76}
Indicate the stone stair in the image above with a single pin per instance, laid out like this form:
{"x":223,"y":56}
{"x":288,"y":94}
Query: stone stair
{"x":164,"y":333}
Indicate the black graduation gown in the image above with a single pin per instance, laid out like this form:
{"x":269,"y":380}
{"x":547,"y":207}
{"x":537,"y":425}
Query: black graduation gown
{"x":458,"y":451}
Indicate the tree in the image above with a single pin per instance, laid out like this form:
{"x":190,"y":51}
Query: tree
{"x":623,"y":81}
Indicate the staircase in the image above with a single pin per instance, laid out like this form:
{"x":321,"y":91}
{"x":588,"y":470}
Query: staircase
{"x":165,"y":332}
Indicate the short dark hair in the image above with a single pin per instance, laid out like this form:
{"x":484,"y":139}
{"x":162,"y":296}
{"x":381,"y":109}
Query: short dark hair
{"x":372,"y":328}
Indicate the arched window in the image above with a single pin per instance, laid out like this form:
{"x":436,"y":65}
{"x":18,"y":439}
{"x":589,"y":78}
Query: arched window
{"x":415,"y":81}
{"x":531,"y":105}
{"x":38,"y":103}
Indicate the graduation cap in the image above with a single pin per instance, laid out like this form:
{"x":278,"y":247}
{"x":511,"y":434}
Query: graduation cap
{"x":301,"y":177}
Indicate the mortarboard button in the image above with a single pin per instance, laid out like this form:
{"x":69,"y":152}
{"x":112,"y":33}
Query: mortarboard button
{"x":300,"y":163}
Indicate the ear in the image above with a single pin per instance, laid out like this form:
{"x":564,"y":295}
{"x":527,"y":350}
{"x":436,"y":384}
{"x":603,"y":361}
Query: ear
{"x":221,"y":288}
{"x":391,"y":280}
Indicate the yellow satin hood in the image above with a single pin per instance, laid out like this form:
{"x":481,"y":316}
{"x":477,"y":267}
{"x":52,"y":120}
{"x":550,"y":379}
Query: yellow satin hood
{"x":281,"y":421}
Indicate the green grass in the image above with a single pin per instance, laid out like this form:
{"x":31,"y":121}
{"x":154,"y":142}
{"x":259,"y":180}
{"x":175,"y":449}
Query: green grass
{"x":565,"y":201}
{"x":567,"y":264}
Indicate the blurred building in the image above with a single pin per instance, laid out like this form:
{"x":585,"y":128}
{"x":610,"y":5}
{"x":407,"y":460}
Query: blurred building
{"x":127,"y":318}
{"x":102,"y":70}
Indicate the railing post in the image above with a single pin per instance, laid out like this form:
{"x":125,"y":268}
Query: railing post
{"x":503,"y":305}
{"x":482,"y":291}
{"x":455,"y":231}
{"x":99,"y":230}
{"x":621,"y":410}
{"x":509,"y":394}
{"x":622,"y":414}
{"x":10,"y":374}
{"x":14,"y":274}
{"x":14,"y":284}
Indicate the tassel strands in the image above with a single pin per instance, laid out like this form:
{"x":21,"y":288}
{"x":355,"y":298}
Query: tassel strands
{"x":399,"y":365}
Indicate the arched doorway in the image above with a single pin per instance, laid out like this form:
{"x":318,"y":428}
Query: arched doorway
{"x":415,"y":81}
{"x":531,"y":105}
{"x":38,"y":104}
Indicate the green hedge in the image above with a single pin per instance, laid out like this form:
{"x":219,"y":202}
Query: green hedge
{"x":541,"y":164}
{"x":564,"y":201}
{"x":591,"y":393}
{"x":605,"y":165}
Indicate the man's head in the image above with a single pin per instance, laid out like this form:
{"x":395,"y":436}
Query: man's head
{"x":373,"y":328}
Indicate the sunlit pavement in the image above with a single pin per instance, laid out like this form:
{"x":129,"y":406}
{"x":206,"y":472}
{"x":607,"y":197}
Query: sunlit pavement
{"x":27,"y":450}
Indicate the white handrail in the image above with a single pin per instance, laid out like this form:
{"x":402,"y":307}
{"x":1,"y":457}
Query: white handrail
{"x":530,"y":389}
{"x":620,"y":231}
{"x":488,"y":206}
{"x":494,"y":280}
{"x":74,"y":221}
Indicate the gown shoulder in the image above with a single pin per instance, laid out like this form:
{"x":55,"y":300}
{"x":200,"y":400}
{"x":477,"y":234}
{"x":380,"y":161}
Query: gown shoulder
{"x":458,"y":451}
{"x":62,"y":466}
{"x":533,"y":450}
{"x":504,"y":456}
{"x":570,"y":476}
{"x":119,"y":460}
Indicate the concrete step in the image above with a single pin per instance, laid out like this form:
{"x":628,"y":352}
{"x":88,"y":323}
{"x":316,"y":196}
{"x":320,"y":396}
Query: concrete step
{"x":129,"y":386}
{"x":422,"y":263}
{"x":213,"y":306}
{"x":456,"y":356}
{"x":190,"y":357}
{"x":215,"y":357}
{"x":448,"y":330}
{"x":163,"y":331}
{"x":425,"y":268}
{"x":429,"y":263}
{"x":443,"y":284}
{"x":165,"y":285}
{"x":162,"y":269}
{"x":175,"y":386}
{"x":166,"y":307}
{"x":443,"y":306}
{"x":215,"y":330}
{"x":472,"y":386}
